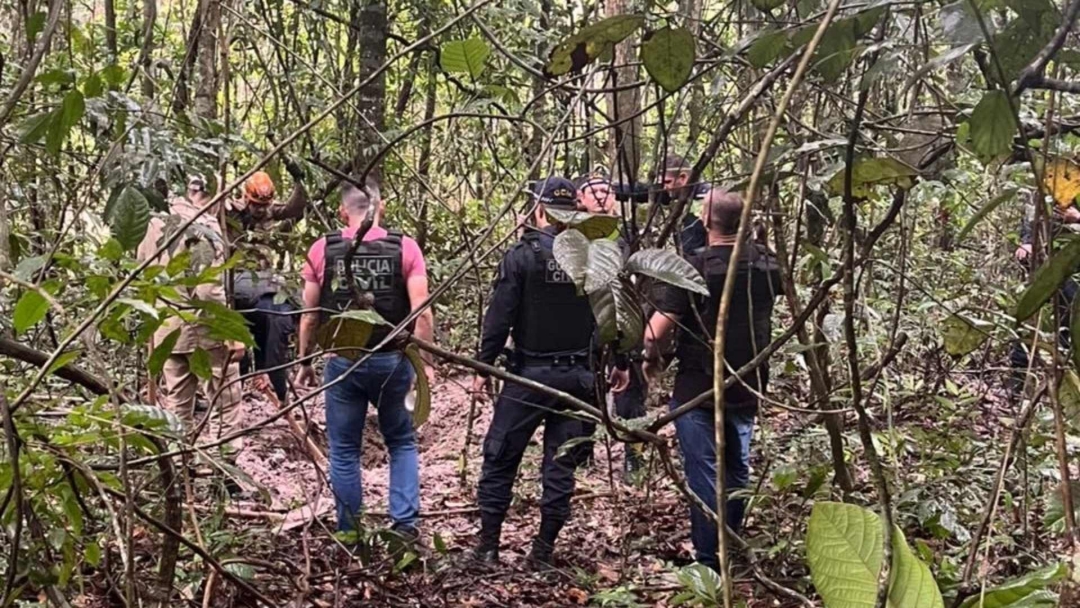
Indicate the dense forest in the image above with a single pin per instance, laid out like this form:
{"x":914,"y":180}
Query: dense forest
{"x":912,"y":167}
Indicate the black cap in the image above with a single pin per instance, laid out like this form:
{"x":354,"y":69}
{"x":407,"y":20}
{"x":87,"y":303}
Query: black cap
{"x":555,"y":191}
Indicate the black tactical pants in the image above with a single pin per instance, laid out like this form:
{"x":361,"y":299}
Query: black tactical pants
{"x":271,"y":330}
{"x":518,"y":413}
{"x":630,"y":403}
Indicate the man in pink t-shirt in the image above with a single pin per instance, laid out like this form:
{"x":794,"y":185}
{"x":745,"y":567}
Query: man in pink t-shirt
{"x":390,"y":267}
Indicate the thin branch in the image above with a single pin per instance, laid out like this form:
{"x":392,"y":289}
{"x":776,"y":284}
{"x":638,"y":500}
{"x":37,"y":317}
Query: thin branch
{"x":31,"y":67}
{"x":1033,"y":73}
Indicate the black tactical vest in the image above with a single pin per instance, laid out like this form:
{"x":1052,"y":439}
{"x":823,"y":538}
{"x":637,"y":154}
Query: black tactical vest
{"x":553,"y":317}
{"x":376,"y":266}
{"x":749,"y":325}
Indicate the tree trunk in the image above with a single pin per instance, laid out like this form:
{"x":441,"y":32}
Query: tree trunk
{"x":207,"y":89}
{"x":371,"y":101}
{"x":183,"y":95}
{"x":146,"y":54}
{"x":536,"y":142}
{"x":626,"y":145}
{"x":691,"y":10}
{"x":110,"y":29}
{"x":425,"y":155}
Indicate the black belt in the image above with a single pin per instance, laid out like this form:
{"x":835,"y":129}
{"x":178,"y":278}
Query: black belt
{"x":580,"y":359}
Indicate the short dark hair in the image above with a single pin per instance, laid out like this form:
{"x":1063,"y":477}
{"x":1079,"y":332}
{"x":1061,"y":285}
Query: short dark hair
{"x":674,"y":162}
{"x":724,"y":210}
{"x":357,"y":200}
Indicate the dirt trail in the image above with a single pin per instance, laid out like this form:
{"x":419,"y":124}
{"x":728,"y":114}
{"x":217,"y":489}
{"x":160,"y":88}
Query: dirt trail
{"x":619,"y":535}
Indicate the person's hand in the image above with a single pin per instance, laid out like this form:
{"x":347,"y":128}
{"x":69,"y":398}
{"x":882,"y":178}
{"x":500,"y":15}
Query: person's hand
{"x":481,"y":387}
{"x":619,"y":379}
{"x":305,"y":376}
{"x":429,"y":373}
{"x":260,"y":383}
{"x":651,"y":370}
{"x":1070,"y":215}
{"x":1023,"y":252}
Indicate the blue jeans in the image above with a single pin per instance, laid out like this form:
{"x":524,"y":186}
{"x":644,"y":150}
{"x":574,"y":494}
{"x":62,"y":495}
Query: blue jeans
{"x":384,"y":379}
{"x":697,"y":444}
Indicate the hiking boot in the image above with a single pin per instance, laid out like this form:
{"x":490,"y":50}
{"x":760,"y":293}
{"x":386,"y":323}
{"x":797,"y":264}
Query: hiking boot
{"x":634,"y":463}
{"x":542,"y":556}
{"x":408,"y":533}
{"x":484,"y":555}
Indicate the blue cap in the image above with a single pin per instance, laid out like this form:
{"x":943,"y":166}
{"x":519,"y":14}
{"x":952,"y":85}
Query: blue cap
{"x":555,"y":191}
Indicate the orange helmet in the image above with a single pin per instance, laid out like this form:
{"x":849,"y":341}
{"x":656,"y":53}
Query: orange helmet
{"x":259,"y":189}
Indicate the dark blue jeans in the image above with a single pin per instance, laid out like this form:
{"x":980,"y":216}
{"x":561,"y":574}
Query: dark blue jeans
{"x":384,"y":379}
{"x":271,"y":331}
{"x":697,"y":444}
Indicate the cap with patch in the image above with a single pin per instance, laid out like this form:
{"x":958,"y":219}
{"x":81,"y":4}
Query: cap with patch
{"x":555,"y":191}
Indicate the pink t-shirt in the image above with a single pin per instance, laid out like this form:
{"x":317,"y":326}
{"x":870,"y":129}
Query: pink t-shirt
{"x":412,"y":259}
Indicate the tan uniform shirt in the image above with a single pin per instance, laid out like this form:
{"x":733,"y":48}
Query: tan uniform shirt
{"x":207,"y":249}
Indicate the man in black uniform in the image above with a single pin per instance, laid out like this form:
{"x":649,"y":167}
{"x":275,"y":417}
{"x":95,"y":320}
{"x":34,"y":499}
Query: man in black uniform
{"x":536,"y":303}
{"x":676,"y":181}
{"x":748,"y":330}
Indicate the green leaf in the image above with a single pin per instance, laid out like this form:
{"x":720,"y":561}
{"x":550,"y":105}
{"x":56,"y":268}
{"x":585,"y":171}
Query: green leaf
{"x":151,"y":417}
{"x":224,"y":323}
{"x":465,"y":56}
{"x":844,"y":552}
{"x":592,"y":225}
{"x":835,"y":52}
{"x":870,"y":172}
{"x":1054,"y":518}
{"x":70,"y":112}
{"x":35,"y":127}
{"x":702,"y":583}
{"x":960,"y":26}
{"x":1074,"y":331}
{"x":129,"y":218}
{"x":768,"y":46}
{"x":619,"y":318}
{"x":35,"y":24}
{"x":92,"y":553}
{"x":669,"y":267}
{"x":29,"y":311}
{"x":962,"y":335}
{"x":591,"y":265}
{"x":178,"y":264}
{"x":668,"y":55}
{"x":1047,"y":279}
{"x":439,"y":544}
{"x":365,"y":316}
{"x":199,"y":362}
{"x":162,"y":352}
{"x":114,"y":75}
{"x":1025,"y":592}
{"x":63,"y":360}
{"x":990,"y":205}
{"x":940,"y":61}
{"x":92,"y":86}
{"x":140,"y":305}
{"x":422,"y":405}
{"x":992,"y":125}
{"x":591,"y":42}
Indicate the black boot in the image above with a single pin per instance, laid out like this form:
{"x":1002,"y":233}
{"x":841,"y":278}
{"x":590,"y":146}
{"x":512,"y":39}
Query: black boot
{"x":487,"y":553}
{"x":541,"y":557}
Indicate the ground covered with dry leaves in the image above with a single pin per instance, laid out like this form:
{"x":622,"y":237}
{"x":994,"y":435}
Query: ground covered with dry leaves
{"x":622,"y":548}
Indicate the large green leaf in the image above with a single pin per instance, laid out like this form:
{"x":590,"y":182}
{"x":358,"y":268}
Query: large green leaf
{"x":1028,"y":591}
{"x":870,"y":172}
{"x":1047,"y":280}
{"x":152,"y":418}
{"x":766,"y":48}
{"x":992,"y":125}
{"x":129,"y":217}
{"x":592,"y":225}
{"x":66,"y":117}
{"x":422,"y":405}
{"x":591,"y":265}
{"x":29,"y":310}
{"x":618,"y":316}
{"x":844,"y":551}
{"x":200,"y":364}
{"x":64,"y":360}
{"x":668,"y":55}
{"x":224,"y":323}
{"x":162,"y":352}
{"x":35,"y":127}
{"x":1054,"y":517}
{"x":589,"y":43}
{"x":962,"y":335}
{"x":669,"y":267}
{"x":984,"y":211}
{"x":465,"y":56}
{"x":835,"y":52}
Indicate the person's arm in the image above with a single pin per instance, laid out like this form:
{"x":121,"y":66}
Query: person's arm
{"x":295,"y":207}
{"x":417,"y":286}
{"x":309,"y":325}
{"x":502,"y":309}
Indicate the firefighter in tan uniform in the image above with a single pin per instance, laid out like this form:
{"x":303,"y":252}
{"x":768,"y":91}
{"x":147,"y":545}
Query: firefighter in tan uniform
{"x":206,"y":246}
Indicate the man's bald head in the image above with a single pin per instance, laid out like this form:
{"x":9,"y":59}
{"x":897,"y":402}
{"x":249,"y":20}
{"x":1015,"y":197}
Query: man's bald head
{"x":723,"y":211}
{"x":356,"y":201}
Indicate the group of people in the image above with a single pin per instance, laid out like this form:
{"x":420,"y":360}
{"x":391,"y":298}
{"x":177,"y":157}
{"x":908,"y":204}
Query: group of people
{"x":539,"y":312}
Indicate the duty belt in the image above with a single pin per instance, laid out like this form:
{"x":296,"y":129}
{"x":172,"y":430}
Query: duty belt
{"x":576,"y":359}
